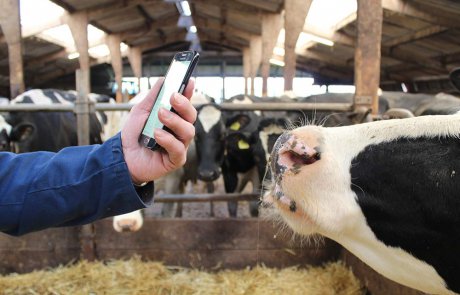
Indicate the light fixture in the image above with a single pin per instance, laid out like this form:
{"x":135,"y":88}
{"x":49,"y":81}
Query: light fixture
{"x":279,"y":51}
{"x":277,"y":62}
{"x":185,"y":8}
{"x":73,"y":55}
{"x":193,"y":29}
{"x":321,"y":40}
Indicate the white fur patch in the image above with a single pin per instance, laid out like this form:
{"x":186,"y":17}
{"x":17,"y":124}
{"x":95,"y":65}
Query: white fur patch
{"x":246,"y":100}
{"x":36,"y":95}
{"x":265,"y":133}
{"x":4,"y":125}
{"x":199,"y":98}
{"x":209,"y":116}
{"x":61,"y":99}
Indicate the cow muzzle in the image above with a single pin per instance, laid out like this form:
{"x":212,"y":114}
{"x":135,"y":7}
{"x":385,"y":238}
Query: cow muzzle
{"x":290,"y":154}
{"x":208,"y":174}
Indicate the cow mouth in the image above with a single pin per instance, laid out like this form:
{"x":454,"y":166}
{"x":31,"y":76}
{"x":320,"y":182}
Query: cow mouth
{"x":282,"y":202}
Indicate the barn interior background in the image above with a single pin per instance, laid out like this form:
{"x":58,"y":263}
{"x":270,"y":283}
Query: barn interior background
{"x":255,"y":47}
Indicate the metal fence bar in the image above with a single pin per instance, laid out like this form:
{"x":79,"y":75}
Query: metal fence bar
{"x":260,"y":106}
{"x":196,"y":198}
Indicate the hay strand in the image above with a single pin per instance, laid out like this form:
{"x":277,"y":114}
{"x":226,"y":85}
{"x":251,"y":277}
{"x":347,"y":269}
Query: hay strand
{"x":134,"y":276}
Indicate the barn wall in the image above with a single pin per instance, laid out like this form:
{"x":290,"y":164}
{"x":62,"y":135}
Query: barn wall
{"x":200,"y":243}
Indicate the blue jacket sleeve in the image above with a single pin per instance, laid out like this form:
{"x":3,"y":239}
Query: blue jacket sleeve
{"x":72,"y":187}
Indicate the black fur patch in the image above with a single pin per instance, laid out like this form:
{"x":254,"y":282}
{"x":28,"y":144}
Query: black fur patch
{"x":409,"y":192}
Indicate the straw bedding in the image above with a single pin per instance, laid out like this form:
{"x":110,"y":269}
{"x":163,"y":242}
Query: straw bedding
{"x":137,"y":277}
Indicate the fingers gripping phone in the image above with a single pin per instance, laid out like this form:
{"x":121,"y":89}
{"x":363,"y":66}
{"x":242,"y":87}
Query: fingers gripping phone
{"x":176,"y":80}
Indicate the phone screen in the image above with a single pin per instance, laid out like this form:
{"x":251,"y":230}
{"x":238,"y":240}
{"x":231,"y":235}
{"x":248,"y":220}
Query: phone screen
{"x":171,"y":84}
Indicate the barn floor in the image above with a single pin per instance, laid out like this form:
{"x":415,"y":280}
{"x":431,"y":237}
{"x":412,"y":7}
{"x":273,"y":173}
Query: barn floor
{"x":203,"y":210}
{"x":136,"y":277}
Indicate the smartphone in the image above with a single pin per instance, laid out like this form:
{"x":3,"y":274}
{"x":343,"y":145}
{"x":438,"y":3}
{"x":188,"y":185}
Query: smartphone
{"x":176,"y":80}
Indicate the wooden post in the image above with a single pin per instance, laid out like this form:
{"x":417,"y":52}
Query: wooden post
{"x":295,"y":12}
{"x":78,"y":24}
{"x":11,"y":27}
{"x":255,"y":47}
{"x":271,"y":27}
{"x":135,"y":59}
{"x":82,"y":106}
{"x":246,"y":68}
{"x":367,"y":54}
{"x":223,"y":67}
{"x":113,"y":42}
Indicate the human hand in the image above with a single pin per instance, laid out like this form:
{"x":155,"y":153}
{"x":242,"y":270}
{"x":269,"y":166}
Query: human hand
{"x":147,"y":165}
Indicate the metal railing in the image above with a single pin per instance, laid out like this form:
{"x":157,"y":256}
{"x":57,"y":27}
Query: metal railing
{"x":260,"y":106}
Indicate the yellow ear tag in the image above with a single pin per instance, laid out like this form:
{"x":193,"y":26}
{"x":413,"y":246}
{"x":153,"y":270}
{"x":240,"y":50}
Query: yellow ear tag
{"x":243,"y":145}
{"x":235,"y":126}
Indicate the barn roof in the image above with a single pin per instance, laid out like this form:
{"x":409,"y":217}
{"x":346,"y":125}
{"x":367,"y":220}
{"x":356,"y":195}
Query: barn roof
{"x":420,"y":38}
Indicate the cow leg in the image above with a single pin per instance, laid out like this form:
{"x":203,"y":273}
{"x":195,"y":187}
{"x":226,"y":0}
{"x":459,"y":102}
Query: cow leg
{"x":210,"y":190}
{"x":253,"y":177}
{"x":230,"y":183}
{"x":173,"y":185}
{"x":179,"y":210}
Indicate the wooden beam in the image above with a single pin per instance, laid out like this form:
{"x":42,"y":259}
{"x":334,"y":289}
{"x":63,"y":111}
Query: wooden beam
{"x":325,"y":71}
{"x":271,"y":27}
{"x":246,"y":68}
{"x":105,"y":10}
{"x":411,"y":9}
{"x":255,"y":47}
{"x":78,"y":24}
{"x":294,"y":19}
{"x":43,"y":59}
{"x":218,"y":36}
{"x":367,"y":54}
{"x":135,"y":60}
{"x":417,"y":35}
{"x":336,"y":37}
{"x":11,"y":27}
{"x":325,"y":58}
{"x":228,"y":4}
{"x":69,"y":69}
{"x":180,"y":36}
{"x":233,"y":24}
{"x":228,"y":44}
{"x":202,"y":22}
{"x":113,"y":43}
{"x":267,"y":5}
{"x":144,"y":29}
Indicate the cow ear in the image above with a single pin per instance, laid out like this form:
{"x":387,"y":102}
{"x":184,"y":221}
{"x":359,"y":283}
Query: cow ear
{"x":239,"y":122}
{"x":22,"y":132}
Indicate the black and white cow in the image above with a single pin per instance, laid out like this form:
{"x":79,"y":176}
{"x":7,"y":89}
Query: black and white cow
{"x":387,"y":191}
{"x":47,"y":131}
{"x":172,"y":183}
{"x":225,"y":143}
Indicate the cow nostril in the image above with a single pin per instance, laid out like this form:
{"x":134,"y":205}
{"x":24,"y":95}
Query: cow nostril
{"x":303,"y":159}
{"x":208,"y":175}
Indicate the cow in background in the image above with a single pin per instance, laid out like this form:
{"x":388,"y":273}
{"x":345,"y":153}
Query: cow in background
{"x":173,"y":183}
{"x":47,"y":131}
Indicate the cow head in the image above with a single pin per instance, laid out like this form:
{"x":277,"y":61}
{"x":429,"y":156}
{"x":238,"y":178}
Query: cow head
{"x":241,"y":134}
{"x":209,"y":140}
{"x":21,"y":133}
